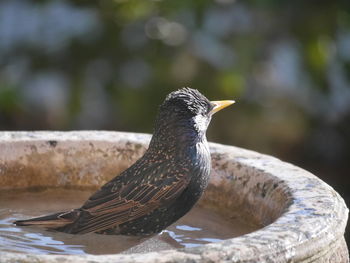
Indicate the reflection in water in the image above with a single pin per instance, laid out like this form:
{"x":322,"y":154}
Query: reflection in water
{"x":14,"y":239}
{"x":189,"y":240}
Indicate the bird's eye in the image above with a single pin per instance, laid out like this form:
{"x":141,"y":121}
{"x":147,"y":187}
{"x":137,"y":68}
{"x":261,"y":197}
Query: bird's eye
{"x":209,"y":108}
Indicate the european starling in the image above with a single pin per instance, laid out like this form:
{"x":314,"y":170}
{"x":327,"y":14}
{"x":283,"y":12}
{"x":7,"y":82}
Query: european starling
{"x":160,"y":187}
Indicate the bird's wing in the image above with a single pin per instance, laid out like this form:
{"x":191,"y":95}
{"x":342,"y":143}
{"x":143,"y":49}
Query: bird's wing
{"x":118,"y":202}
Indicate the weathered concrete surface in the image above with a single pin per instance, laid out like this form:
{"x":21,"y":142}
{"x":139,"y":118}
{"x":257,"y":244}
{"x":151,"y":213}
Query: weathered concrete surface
{"x":304,"y":218}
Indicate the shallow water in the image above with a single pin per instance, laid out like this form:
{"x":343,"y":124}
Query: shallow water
{"x":200,"y":226}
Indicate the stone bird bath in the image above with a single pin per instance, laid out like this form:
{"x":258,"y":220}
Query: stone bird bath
{"x":303,"y":217}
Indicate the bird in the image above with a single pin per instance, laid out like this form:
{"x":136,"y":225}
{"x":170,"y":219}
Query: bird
{"x":160,"y":187}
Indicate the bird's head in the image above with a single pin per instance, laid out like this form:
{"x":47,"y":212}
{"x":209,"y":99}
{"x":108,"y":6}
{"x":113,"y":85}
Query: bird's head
{"x":188,"y":109}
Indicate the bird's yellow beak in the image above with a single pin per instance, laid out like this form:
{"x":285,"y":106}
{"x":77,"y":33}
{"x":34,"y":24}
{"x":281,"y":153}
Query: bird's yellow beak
{"x":220,"y":104}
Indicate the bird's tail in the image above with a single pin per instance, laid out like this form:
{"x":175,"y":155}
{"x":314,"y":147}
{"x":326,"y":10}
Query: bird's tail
{"x":51,"y":221}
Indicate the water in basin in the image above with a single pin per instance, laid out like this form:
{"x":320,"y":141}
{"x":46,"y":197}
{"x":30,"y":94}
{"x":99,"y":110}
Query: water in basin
{"x":200,"y":226}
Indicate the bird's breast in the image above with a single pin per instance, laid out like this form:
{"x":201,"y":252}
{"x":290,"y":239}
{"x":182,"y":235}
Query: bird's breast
{"x":204,"y":164}
{"x":200,"y":163}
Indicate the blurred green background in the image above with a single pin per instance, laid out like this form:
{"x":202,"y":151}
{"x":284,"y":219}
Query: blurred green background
{"x":108,"y":65}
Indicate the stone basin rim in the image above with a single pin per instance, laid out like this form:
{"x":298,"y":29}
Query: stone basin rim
{"x":283,"y":239}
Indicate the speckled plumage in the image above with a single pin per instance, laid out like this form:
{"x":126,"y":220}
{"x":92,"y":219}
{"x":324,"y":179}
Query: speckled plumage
{"x":160,"y":187}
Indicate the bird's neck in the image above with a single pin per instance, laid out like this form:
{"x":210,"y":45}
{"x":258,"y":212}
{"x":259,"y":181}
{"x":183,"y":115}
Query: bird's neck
{"x":177,"y":137}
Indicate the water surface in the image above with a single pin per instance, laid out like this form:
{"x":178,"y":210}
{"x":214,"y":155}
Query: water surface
{"x":200,"y":226}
